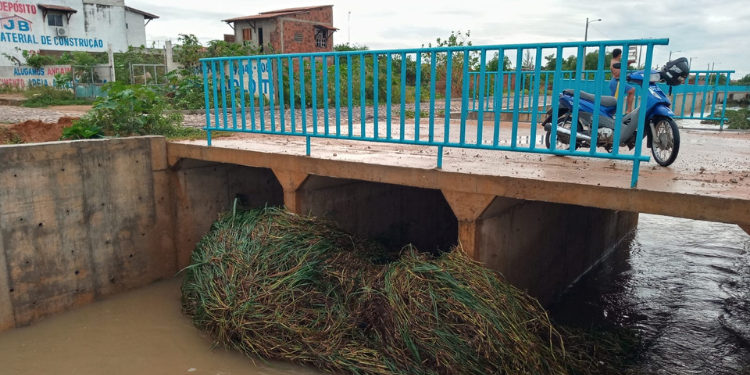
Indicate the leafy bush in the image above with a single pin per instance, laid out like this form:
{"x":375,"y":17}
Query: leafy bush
{"x":135,"y":110}
{"x":45,"y":96}
{"x":738,"y":119}
{"x":82,"y":131}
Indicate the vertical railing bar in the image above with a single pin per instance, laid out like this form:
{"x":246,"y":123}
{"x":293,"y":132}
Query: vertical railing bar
{"x":622,"y":80}
{"x":292,"y":97}
{"x":403,"y":96}
{"x":464,"y":98}
{"x":433,"y":94}
{"x":389,"y":93}
{"x":252,"y":95}
{"x":577,"y":100}
{"x":241,"y":74}
{"x":523,"y":90}
{"x":337,"y":70}
{"x":261,"y":95}
{"x":642,"y":114}
{"x":535,"y":96}
{"x":326,"y":120}
{"x":516,"y":98}
{"x":498,"y":95}
{"x":375,"y":98}
{"x":546,"y":91}
{"x":482,"y":75}
{"x":282,"y":112}
{"x":418,"y":97}
{"x":303,"y":100}
{"x":206,"y":101}
{"x":350,"y":95}
{"x":223,"y":95}
{"x":314,"y":94}
{"x":448,"y":89}
{"x":724,"y":100}
{"x":362,"y":96}
{"x":232,"y":93}
{"x":271,"y":94}
{"x":555,"y":99}
{"x":599,"y":77}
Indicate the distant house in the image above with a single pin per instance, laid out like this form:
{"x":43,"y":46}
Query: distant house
{"x":293,"y":30}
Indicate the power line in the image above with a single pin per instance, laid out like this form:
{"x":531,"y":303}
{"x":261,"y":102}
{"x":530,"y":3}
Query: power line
{"x":600,"y":32}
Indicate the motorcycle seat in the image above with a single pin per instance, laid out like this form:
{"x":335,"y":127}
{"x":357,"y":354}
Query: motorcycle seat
{"x":606,"y":101}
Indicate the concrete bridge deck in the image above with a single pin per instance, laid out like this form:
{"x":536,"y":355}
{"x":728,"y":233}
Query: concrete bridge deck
{"x":709,"y":181}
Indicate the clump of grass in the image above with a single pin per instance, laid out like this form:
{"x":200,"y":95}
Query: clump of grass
{"x":280,"y":286}
{"x":48,"y":96}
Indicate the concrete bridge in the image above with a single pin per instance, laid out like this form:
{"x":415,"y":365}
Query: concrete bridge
{"x":83,"y":220}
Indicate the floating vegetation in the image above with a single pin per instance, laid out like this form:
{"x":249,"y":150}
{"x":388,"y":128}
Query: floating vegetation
{"x":280,"y":286}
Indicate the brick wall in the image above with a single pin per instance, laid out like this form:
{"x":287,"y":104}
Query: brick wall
{"x":302,"y":23}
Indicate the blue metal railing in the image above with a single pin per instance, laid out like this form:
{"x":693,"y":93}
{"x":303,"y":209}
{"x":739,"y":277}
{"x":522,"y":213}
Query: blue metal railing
{"x":689,"y":101}
{"x":286,"y":94}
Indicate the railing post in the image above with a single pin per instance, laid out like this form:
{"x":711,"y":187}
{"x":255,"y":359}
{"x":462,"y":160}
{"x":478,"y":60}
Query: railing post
{"x":207,"y":102}
{"x":641,"y":115}
{"x":724,"y":101}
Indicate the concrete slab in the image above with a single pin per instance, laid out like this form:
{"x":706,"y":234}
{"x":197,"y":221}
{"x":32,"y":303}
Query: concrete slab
{"x":709,"y":181}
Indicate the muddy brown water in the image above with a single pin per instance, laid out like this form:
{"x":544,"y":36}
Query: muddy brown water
{"x":683,"y":286}
{"x":142,"y":332}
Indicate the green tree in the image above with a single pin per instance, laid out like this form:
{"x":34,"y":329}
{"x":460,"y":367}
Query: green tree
{"x":346,"y":47}
{"x":744,"y":81}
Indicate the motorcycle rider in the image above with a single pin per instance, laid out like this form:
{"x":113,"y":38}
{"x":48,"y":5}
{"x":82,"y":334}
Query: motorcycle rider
{"x":614,"y":67}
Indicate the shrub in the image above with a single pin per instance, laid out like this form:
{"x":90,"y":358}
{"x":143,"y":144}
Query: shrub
{"x":82,"y":131}
{"x":45,"y":96}
{"x":738,"y":119}
{"x":135,"y":110}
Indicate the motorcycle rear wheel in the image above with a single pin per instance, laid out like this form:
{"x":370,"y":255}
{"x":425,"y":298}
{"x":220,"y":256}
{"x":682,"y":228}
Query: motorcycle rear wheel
{"x":562,"y":141}
{"x":665,"y":144}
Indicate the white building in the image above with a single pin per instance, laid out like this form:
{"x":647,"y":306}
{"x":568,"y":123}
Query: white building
{"x":69,"y":25}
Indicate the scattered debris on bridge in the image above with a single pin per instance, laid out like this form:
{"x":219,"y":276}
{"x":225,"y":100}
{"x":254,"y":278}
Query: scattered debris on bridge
{"x":280,"y":286}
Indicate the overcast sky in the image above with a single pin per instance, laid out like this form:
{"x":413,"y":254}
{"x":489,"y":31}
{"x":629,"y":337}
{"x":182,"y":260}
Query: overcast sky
{"x":709,"y":31}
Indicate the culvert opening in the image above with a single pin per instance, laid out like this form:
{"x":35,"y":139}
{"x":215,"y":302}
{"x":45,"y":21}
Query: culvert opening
{"x":393,"y":215}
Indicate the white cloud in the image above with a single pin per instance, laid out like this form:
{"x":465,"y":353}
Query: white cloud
{"x":707,"y":30}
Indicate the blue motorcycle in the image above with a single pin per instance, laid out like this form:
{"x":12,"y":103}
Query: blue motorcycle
{"x":662,"y":134}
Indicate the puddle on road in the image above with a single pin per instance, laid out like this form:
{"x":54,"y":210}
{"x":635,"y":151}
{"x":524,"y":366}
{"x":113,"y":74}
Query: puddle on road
{"x":141,"y":332}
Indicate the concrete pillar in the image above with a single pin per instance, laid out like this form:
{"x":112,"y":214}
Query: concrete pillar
{"x":169,"y":56}
{"x":291,"y":182}
{"x":468,"y":208}
{"x":111,"y":55}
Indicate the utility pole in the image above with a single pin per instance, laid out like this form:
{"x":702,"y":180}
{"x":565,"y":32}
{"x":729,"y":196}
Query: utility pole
{"x":349,"y":29}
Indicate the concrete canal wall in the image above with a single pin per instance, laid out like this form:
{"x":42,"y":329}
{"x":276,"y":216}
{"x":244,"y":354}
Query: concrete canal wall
{"x":80,"y":221}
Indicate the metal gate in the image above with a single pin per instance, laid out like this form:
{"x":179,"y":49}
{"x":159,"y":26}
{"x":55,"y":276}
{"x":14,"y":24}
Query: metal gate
{"x":148,"y":74}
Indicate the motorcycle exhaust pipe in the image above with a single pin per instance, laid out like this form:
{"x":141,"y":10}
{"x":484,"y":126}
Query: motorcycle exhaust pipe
{"x":579,"y":136}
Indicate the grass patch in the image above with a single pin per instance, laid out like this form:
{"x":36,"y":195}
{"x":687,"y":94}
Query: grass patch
{"x":273,"y":284}
{"x":41,"y":97}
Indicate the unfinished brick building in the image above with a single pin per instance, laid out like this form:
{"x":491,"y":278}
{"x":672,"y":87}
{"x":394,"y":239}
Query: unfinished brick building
{"x":293,"y":30}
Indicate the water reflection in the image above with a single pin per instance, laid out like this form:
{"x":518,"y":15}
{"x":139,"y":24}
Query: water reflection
{"x":683,"y":285}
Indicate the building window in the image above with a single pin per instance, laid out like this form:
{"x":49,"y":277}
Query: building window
{"x":321,"y":39}
{"x":55,"y":19}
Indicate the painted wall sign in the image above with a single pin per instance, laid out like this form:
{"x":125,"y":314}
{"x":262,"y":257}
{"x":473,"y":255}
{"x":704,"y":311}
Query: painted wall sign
{"x":250,"y":77}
